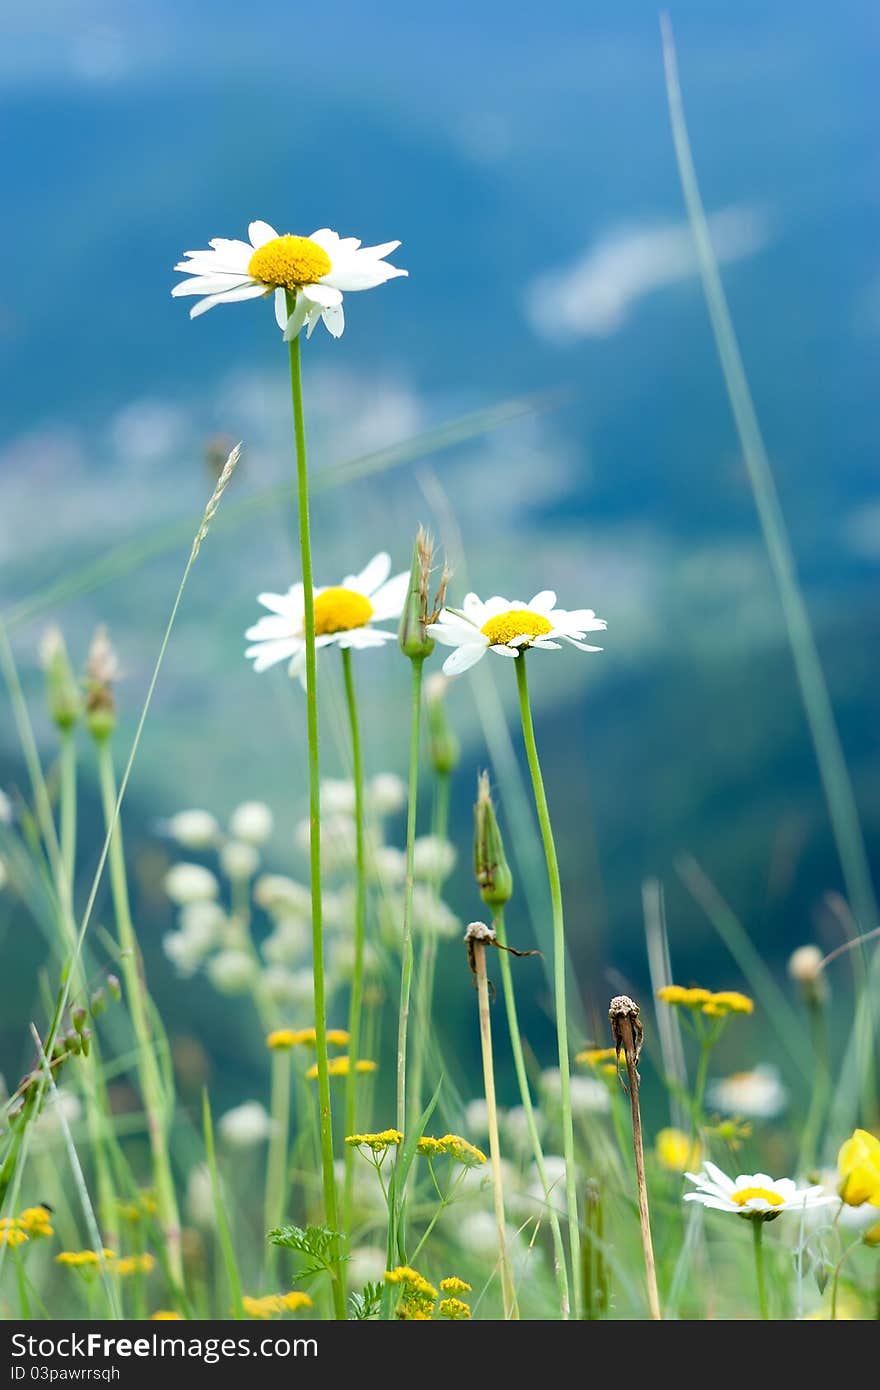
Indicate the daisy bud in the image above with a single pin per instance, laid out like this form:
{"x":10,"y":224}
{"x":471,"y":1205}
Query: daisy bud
{"x":419,"y":610}
{"x":65,"y":703}
{"x":491,"y":868}
{"x":252,"y":822}
{"x":193,"y":829}
{"x":239,"y":860}
{"x":805,"y":968}
{"x":102,"y":670}
{"x":444,"y":747}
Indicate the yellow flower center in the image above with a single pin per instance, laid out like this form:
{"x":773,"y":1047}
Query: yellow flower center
{"x":516,"y":622}
{"x":339,"y":610}
{"x":290,"y":262}
{"x":745,"y":1194}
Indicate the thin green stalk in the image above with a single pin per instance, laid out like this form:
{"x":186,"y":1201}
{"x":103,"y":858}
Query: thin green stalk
{"x":221,"y":1220}
{"x":67,"y":809}
{"x":558,"y":974}
{"x":821,"y":1081}
{"x":508,"y":1290}
{"x":276,"y":1168}
{"x":360,"y":919}
{"x":700,"y":1086}
{"x":428,"y":956}
{"x":758,"y":1234}
{"x":836,"y":783}
{"x":531,"y":1124}
{"x":131,"y":965}
{"x":305,"y":545}
{"x":835,"y":1281}
{"x":406,"y":963}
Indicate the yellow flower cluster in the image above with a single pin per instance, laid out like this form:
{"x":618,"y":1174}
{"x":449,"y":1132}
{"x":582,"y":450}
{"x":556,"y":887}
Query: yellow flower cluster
{"x":454,"y":1309}
{"x":454,"y":1286}
{"x":83,"y":1259}
{"x":134,"y":1264}
{"x":454,"y":1146}
{"x":703,"y":1001}
{"x":283,"y":1039}
{"x":677,"y":1152}
{"x":165,"y":1315}
{"x":32,"y":1223}
{"x":858,"y":1164}
{"x":271,"y":1304}
{"x":143,"y":1205}
{"x":341,"y":1066}
{"x":385,"y":1139}
{"x":417,"y":1303}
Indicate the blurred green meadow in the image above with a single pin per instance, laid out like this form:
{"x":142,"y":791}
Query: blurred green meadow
{"x":545,"y":395}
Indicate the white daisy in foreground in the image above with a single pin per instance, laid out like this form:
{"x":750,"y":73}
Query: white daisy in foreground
{"x":754,"y":1195}
{"x":507,"y":626}
{"x":313,"y":271}
{"x":344,"y":614}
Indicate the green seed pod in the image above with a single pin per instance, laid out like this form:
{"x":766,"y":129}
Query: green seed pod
{"x":98,"y":1003}
{"x":78,"y":1018}
{"x":114,"y":987}
{"x":491,"y":869}
{"x":65,"y":701}
{"x":419,"y":610}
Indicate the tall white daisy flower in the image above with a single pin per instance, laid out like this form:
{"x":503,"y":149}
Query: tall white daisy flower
{"x":753,"y":1195}
{"x":507,"y":626}
{"x":344,"y":614}
{"x":306,"y":274}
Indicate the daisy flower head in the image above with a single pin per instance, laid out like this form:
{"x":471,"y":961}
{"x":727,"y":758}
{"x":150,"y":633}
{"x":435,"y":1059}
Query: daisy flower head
{"x":753,"y":1195}
{"x":508,"y":627}
{"x":307,"y":275}
{"x":345,"y":614}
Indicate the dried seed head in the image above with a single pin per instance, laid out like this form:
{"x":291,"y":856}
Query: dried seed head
{"x":419,"y":609}
{"x":491,"y":868}
{"x":102,"y":670}
{"x":626,"y":1028}
{"x":65,"y":701}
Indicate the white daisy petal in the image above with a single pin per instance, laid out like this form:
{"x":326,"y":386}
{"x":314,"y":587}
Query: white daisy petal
{"x":388,"y":601}
{"x":544,"y":601}
{"x":463,"y":658}
{"x":720,"y":1179}
{"x":260,"y":233}
{"x":325,"y":295}
{"x":333,"y":320}
{"x":372,"y":576}
{"x":281,"y":314}
{"x":502,"y":650}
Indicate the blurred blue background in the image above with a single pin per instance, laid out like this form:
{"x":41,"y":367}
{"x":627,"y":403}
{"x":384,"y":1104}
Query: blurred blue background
{"x":524,"y":159}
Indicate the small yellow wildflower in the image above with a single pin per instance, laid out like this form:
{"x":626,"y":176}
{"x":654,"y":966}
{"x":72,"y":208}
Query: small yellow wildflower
{"x":415,"y":1310}
{"x":135,"y":1264}
{"x":679,"y":997}
{"x":598,"y":1056}
{"x":282,"y":1039}
{"x":677,"y":1152}
{"x":379,"y":1143}
{"x":165,"y":1315}
{"x":37,"y":1221}
{"x":858,"y":1164}
{"x":462,"y":1150}
{"x":428,"y":1146}
{"x":872,"y":1235}
{"x":13,"y":1236}
{"x":83,"y":1259}
{"x":341,"y":1066}
{"x":728,"y":1001}
{"x":338,"y":1037}
{"x":454,"y":1310}
{"x":414,"y":1282}
{"x":273,"y":1303}
{"x":455,"y":1286}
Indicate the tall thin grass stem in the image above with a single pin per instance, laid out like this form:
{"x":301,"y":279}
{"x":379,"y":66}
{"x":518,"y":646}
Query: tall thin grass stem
{"x":355,"y":1007}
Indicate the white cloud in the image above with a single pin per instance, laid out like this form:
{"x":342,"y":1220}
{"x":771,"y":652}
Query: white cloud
{"x":595,"y":295}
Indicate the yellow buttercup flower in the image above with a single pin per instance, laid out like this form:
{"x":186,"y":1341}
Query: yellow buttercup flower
{"x":379,"y":1143}
{"x":872,"y":1235}
{"x":455,"y":1286}
{"x":858,"y":1164}
{"x":341,"y":1066}
{"x":454,"y":1310}
{"x":677,"y":1152}
{"x":135,"y":1264}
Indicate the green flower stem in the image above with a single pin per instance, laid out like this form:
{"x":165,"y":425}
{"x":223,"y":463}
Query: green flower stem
{"x":406,"y":965}
{"x":758,"y":1233}
{"x":508,"y":1291}
{"x":360,"y":918}
{"x":700,"y":1086}
{"x":526,"y":1098}
{"x":305,"y":545}
{"x":835,"y":1281}
{"x":67,"y":829}
{"x":150,"y":1079}
{"x":276,"y":1168}
{"x":428,"y":956}
{"x":821,"y":1084}
{"x":558,"y":973}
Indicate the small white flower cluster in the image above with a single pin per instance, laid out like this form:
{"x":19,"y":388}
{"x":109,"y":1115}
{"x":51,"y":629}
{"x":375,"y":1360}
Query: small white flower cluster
{"x":218,"y":939}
